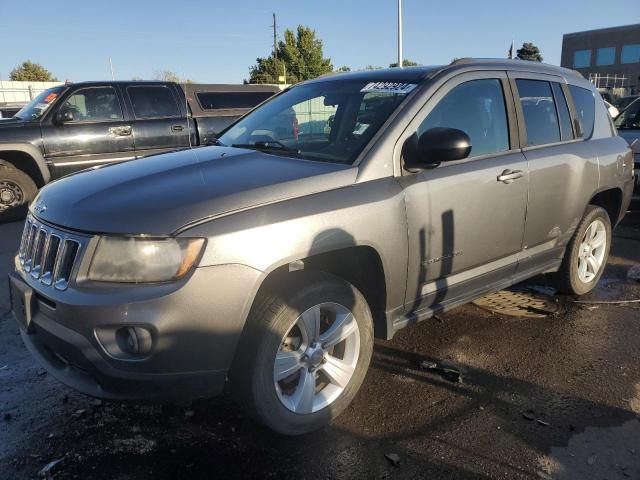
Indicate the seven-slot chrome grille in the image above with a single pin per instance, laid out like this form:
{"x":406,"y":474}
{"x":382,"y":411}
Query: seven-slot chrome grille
{"x":48,"y":254}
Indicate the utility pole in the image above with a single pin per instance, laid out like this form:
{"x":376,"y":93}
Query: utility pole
{"x":275,"y":40}
{"x":111,"y":66}
{"x":400,"y":33}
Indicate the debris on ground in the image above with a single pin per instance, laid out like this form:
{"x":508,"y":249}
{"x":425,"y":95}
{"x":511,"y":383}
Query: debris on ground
{"x":445,"y":370}
{"x":41,"y":372}
{"x":44,"y":471}
{"x":78,"y":413}
{"x":4,"y":367}
{"x":393,"y":458}
{"x":529,"y":415}
{"x":543,"y":423}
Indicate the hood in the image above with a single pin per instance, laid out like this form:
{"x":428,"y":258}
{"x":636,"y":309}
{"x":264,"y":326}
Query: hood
{"x":158,"y":195}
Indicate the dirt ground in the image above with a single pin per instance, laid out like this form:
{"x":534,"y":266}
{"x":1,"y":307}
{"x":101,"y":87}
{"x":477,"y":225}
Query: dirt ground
{"x":551,"y":397}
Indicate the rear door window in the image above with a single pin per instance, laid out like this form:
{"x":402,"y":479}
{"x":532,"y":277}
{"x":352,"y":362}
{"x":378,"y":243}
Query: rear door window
{"x":477,"y":108}
{"x":566,"y":131}
{"x":540,"y":116}
{"x":153,"y":102}
{"x":585,"y":103}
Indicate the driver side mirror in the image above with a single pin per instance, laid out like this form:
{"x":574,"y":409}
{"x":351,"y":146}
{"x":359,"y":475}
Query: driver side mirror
{"x":63,"y":117}
{"x":442,"y":144}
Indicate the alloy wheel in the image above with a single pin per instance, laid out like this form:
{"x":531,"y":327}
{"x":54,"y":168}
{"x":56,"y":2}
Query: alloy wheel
{"x":317,"y":358}
{"x":592,"y":251}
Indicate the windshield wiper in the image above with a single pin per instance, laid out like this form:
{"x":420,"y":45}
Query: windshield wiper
{"x":271,"y":145}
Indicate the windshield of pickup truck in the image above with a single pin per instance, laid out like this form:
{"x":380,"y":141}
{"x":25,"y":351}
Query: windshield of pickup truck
{"x":629,"y":118}
{"x":35,"y":109}
{"x":327,"y":121}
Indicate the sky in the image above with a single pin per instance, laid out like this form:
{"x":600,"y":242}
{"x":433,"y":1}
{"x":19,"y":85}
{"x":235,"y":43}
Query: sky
{"x":213,"y":41}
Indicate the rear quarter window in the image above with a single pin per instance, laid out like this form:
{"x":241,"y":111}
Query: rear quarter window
{"x":585,"y":104}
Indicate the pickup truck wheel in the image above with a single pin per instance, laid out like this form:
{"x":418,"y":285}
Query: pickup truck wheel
{"x":305,"y":354}
{"x":17,"y":190}
{"x":586,"y":256}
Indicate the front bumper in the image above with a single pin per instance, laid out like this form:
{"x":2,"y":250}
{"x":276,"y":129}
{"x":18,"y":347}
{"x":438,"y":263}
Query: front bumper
{"x":195,"y":326}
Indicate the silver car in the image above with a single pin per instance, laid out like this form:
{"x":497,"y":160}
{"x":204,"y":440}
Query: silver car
{"x":343,"y":209}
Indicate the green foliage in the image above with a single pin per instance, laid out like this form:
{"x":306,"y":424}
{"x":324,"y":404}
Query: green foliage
{"x":31,"y":72}
{"x":344,"y":68}
{"x":405,"y":63}
{"x":529,"y":52}
{"x":169,"y":76}
{"x":300,"y":55}
{"x":373,"y":67}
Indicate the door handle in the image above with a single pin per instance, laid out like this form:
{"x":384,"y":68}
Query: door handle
{"x":177,"y":128}
{"x":123,"y":131}
{"x":508,"y":176}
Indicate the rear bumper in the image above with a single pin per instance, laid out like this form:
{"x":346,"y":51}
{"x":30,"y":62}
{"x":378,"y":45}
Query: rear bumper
{"x":194,"y":329}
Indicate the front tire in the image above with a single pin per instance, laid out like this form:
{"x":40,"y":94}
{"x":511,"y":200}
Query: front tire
{"x":17,"y":191}
{"x":305,"y":352}
{"x":587,"y":254}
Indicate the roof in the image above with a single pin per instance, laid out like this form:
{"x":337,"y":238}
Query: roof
{"x":418,"y":74}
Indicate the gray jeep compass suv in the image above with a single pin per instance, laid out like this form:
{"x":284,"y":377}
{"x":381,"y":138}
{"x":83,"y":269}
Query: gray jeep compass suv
{"x":344,"y":208}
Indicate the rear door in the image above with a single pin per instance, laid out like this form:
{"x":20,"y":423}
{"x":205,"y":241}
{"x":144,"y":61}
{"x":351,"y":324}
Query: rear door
{"x":97,"y":134}
{"x":160,"y":121}
{"x":563,"y":169}
{"x":466,"y":218}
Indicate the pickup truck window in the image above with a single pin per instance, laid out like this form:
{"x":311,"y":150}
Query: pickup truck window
{"x":96,"y":104}
{"x":629,"y":118}
{"x":36,"y":108}
{"x":153,"y":102}
{"x":477,"y":108}
{"x":327,"y":121}
{"x":229,"y":100}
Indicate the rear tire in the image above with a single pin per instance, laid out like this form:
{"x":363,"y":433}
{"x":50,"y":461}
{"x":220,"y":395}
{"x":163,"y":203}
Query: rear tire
{"x":586,"y":255}
{"x":287,"y":377}
{"x":17,"y":191}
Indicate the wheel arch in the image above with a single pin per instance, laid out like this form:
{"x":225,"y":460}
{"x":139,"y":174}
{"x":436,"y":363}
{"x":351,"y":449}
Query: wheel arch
{"x":28,"y":159}
{"x":359,"y":265}
{"x":610,"y":200}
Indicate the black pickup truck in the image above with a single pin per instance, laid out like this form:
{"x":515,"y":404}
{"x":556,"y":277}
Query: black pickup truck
{"x":83,"y":125}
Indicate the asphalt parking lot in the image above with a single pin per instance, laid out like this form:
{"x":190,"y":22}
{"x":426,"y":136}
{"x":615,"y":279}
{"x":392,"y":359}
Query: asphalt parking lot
{"x":556,"y":396}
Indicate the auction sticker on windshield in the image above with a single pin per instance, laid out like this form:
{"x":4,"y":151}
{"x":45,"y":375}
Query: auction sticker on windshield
{"x":388,"y":87}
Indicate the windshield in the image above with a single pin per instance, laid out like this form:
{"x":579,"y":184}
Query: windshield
{"x":34,"y":110}
{"x":328,"y":121}
{"x":629,"y":118}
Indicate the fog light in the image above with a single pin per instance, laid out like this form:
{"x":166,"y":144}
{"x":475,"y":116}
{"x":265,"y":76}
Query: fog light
{"x":128,"y":342}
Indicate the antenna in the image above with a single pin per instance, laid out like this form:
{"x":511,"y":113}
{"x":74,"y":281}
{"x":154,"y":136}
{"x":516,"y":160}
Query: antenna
{"x":400,"y":33}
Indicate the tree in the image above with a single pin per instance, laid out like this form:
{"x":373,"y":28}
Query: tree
{"x":529,"y":52}
{"x":405,"y":63}
{"x":31,"y":72}
{"x":169,"y":76}
{"x":344,"y":68}
{"x":299,"y":57}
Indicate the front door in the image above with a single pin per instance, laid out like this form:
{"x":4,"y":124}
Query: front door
{"x":96,"y":133}
{"x":466,"y":218}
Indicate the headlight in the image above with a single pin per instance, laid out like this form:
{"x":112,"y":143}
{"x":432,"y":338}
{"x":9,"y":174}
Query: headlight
{"x":140,"y":260}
